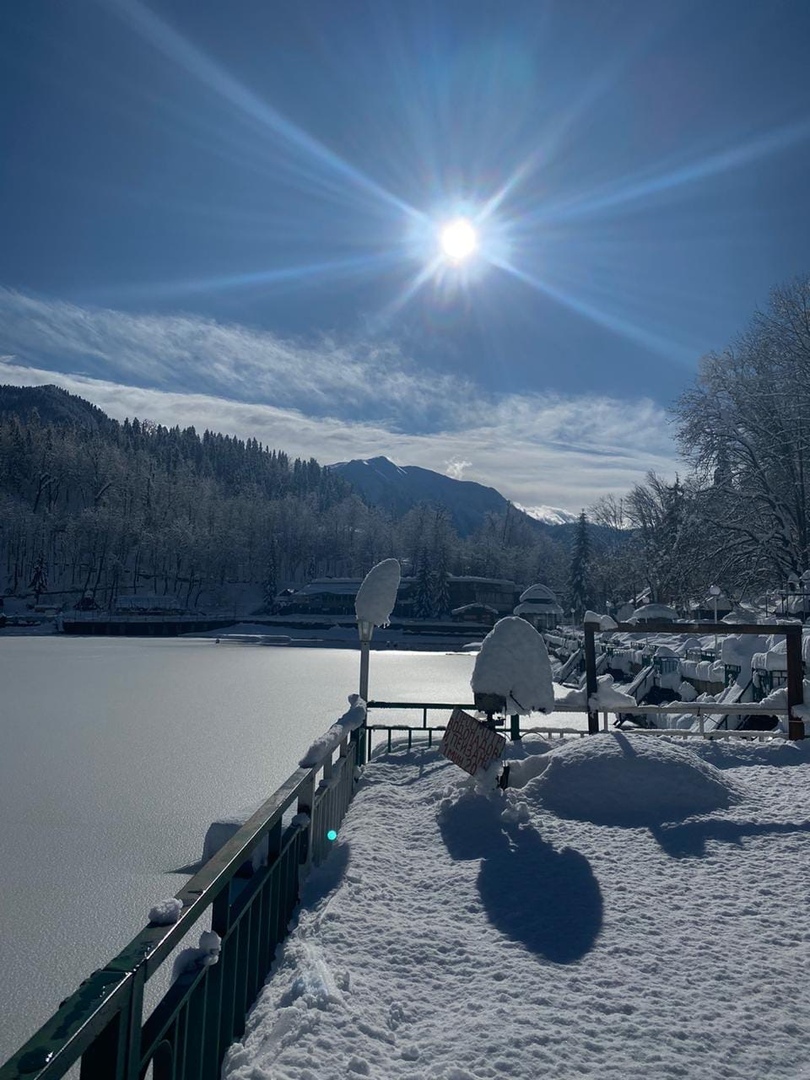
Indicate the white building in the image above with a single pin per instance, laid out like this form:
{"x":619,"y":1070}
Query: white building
{"x":538,"y":606}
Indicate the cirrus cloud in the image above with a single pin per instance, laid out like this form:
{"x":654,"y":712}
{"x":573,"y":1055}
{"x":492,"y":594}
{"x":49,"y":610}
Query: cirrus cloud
{"x":334,"y":400}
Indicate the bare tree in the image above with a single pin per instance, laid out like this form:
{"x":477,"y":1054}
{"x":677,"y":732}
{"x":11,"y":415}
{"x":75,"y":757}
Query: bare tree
{"x":745,"y":428}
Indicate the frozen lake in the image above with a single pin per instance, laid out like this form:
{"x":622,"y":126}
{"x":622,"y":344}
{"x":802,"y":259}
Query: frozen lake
{"x":116,"y":754}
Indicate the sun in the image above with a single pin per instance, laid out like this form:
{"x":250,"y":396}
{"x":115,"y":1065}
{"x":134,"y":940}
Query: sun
{"x":458,"y":240}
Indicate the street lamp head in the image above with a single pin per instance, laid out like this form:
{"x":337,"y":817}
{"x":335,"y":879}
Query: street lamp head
{"x":714,"y":590}
{"x":365,"y":628}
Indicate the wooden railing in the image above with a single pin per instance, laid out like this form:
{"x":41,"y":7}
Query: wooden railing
{"x":102,"y":1025}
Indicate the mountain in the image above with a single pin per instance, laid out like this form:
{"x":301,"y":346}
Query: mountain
{"x":398,"y":488}
{"x":53,"y":406}
{"x":549,"y":515}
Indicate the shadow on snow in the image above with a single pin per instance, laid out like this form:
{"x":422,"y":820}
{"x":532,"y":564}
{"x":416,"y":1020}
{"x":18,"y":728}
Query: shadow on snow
{"x":547,"y":900}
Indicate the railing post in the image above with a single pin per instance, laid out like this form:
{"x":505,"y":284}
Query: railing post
{"x":591,"y":685}
{"x":364,"y":658}
{"x":116,"y":1053}
{"x":306,"y":805}
{"x":795,"y":687}
{"x":359,"y":736}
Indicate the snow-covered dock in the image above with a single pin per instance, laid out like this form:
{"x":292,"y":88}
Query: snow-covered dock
{"x":638,"y":908}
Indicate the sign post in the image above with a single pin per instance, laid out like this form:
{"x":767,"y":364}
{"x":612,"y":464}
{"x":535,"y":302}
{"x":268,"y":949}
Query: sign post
{"x":591,"y":685}
{"x":469,"y":743}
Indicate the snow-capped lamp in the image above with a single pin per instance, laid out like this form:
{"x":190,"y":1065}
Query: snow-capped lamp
{"x":512,"y":673}
{"x":373,"y":606}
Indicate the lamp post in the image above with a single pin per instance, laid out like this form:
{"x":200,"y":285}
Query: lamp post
{"x":365,"y":629}
{"x":714,"y":592}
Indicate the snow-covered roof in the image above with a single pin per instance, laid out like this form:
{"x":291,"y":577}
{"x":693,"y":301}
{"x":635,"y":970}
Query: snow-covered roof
{"x":654,"y":611}
{"x":474,"y":607}
{"x":738,"y":616}
{"x":723,"y":602}
{"x":535,"y":607}
{"x":538,"y":593}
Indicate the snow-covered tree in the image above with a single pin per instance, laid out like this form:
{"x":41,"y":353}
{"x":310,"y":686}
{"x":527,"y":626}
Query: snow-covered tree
{"x":745,"y":428}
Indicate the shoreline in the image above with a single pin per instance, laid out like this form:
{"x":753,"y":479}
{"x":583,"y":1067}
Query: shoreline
{"x":251,"y":633}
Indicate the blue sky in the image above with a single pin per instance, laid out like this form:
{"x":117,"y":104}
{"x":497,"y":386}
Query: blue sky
{"x":227,"y":215}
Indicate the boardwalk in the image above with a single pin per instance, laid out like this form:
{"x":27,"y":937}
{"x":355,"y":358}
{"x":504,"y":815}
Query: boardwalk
{"x":444,"y":940}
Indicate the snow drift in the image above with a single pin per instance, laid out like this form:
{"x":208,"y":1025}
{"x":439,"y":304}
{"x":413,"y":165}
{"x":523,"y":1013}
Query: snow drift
{"x":613,"y":779}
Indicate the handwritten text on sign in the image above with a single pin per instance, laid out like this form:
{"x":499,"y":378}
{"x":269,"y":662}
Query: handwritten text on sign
{"x":470,"y":744}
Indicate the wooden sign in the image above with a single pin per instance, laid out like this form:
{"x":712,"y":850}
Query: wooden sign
{"x":469,"y":743}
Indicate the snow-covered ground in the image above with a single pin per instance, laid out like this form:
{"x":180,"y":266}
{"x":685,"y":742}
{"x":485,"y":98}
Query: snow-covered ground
{"x":638,"y":908}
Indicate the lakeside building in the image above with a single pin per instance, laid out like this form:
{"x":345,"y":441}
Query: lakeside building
{"x":538,"y":606}
{"x":335,"y":596}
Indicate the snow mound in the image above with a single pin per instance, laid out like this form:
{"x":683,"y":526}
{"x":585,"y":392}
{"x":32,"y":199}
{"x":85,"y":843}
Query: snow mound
{"x":613,"y":779}
{"x":514,"y":663}
{"x":378,"y":593}
{"x":166,"y":912}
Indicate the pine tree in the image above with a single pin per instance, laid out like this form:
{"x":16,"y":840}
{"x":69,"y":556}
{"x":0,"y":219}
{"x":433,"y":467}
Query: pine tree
{"x":579,"y":576}
{"x":423,"y":605}
{"x":270,"y":584}
{"x":39,"y":578}
{"x":441,"y":589}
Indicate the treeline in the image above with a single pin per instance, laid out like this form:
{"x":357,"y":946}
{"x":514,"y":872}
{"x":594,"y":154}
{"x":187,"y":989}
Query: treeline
{"x":93,"y":507}
{"x":739,"y":517}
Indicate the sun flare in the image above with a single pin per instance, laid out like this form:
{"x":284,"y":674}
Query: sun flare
{"x":458,"y":240}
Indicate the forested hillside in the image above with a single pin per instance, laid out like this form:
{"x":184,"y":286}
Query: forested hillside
{"x":89,"y":505}
{"x":92,"y":506}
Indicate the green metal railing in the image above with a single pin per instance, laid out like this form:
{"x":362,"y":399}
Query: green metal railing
{"x":102,"y":1024}
{"x":407,"y":729}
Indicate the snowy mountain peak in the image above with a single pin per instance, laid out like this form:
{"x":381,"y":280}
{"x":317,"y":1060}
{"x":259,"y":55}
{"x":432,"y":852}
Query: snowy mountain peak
{"x":551,"y":515}
{"x":400,"y":488}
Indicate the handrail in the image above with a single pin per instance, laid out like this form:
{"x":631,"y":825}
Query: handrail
{"x":417,"y":705}
{"x":102,"y":1022}
{"x":694,"y":707}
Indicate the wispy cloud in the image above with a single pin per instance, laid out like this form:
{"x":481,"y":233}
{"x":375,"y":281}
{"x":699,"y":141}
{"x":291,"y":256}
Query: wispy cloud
{"x":334,"y":400}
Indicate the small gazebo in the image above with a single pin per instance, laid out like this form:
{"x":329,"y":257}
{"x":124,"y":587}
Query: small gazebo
{"x":538,"y":606}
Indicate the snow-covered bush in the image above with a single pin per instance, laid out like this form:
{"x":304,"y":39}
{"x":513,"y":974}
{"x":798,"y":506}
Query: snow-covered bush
{"x":513,"y":663}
